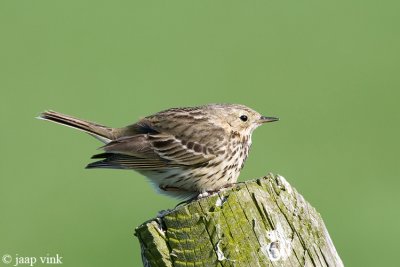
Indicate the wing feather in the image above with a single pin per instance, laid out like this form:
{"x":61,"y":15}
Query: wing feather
{"x":178,"y":151}
{"x":120,"y":161}
{"x":160,"y":150}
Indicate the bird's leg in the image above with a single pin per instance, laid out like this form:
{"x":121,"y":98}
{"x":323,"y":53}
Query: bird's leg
{"x":199,"y":196}
{"x":211,"y":192}
{"x":202,"y":194}
{"x":227,"y":186}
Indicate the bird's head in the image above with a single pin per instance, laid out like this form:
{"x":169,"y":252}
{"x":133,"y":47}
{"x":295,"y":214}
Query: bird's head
{"x":239,"y":117}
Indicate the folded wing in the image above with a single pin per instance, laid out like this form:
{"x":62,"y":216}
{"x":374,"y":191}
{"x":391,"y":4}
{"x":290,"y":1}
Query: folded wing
{"x":152,"y":151}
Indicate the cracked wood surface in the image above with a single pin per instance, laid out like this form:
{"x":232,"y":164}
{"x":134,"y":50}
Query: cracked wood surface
{"x":263,"y":222}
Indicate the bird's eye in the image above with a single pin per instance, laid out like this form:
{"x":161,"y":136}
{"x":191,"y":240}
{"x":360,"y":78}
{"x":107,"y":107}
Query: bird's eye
{"x":243,"y":118}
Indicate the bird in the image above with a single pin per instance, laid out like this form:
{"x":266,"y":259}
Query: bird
{"x":185,"y":152}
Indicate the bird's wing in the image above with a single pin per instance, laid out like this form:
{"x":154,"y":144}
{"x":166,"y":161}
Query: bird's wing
{"x":161,"y":149}
{"x":181,"y":151}
{"x":121,"y":161}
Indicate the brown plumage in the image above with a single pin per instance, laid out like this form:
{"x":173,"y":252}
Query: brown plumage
{"x":183,"y":151}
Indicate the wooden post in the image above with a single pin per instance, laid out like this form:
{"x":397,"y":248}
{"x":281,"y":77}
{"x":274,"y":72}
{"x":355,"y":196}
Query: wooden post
{"x":263,"y":222}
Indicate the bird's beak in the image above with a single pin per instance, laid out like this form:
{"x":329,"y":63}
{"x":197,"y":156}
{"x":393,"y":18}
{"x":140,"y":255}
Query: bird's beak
{"x":264,"y":119}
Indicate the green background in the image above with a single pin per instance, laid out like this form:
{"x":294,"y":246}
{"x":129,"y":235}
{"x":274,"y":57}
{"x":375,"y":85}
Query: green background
{"x":329,"y":70}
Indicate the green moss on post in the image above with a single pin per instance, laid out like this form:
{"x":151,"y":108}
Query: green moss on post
{"x":262,"y":222}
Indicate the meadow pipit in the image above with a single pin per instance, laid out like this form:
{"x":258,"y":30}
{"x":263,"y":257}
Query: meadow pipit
{"x":183,"y":151}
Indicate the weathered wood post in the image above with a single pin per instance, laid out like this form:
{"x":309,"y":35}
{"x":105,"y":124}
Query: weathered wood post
{"x":263,"y":222}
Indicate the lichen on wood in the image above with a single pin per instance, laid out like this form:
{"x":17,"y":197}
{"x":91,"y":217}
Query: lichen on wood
{"x":262,"y":222}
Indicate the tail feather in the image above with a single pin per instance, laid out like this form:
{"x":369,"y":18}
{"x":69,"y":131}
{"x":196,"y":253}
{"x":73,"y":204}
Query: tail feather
{"x":103,"y":133}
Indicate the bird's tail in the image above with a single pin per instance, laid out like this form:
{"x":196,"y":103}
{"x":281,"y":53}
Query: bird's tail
{"x":103,"y":133}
